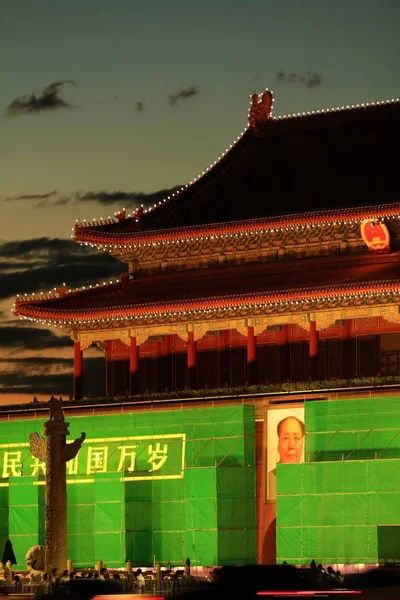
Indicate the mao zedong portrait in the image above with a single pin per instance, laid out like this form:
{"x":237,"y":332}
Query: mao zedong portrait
{"x":290,"y":440}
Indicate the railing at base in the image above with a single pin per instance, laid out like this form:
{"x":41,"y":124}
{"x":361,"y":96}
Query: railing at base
{"x":168,"y":588}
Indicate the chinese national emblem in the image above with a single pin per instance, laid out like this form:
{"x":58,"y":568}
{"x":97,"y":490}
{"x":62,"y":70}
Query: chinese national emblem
{"x":375,"y":235}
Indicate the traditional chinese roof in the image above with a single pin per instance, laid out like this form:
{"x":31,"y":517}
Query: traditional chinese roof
{"x":213,"y":290}
{"x":328,"y":163}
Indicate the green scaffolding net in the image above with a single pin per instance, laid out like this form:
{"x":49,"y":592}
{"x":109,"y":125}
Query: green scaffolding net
{"x":343,"y":505}
{"x":145,"y":486}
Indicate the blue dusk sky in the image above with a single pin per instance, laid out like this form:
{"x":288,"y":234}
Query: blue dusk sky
{"x":103,"y":97}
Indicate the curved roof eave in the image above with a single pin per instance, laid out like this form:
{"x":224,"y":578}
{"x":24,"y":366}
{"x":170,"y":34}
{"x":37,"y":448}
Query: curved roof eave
{"x":38,"y":310}
{"x":109,"y":240}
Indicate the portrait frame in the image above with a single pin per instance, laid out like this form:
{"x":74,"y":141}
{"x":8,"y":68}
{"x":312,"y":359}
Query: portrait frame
{"x":273,"y":414}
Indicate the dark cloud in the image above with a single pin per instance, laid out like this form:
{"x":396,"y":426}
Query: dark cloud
{"x":38,"y":265}
{"x":22,"y":247}
{"x":310,"y":79}
{"x":57,"y":385}
{"x":41,"y":264}
{"x":115,"y":98}
{"x":131,"y":200}
{"x":12,"y":266}
{"x":15,"y":321}
{"x":45,"y":196}
{"x":36,"y":381}
{"x":136,"y":198}
{"x":62,"y":201}
{"x":139,"y":106}
{"x":48,"y":99}
{"x":31,"y":376}
{"x":183,"y":95}
{"x":39,"y":362}
{"x":42,"y":204}
{"x":30,"y":338}
{"x":38,"y":374}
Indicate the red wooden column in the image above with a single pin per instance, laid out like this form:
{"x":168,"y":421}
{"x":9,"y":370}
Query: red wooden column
{"x":168,"y":364}
{"x":348,"y":352}
{"x":223,"y":358}
{"x":164,"y":365}
{"x":158,"y":370}
{"x":191,"y":361}
{"x":78,"y":371}
{"x":109,"y":369}
{"x":284,"y":354}
{"x":251,"y":356}
{"x":314,"y":358}
{"x":134,"y":377}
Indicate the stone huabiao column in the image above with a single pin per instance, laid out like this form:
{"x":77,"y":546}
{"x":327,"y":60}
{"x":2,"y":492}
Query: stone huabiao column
{"x":55,"y":453}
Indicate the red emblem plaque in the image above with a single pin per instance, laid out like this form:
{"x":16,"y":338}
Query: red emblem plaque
{"x":375,"y":235}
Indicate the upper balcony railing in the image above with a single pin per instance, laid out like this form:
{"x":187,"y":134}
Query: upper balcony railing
{"x":276,"y":393}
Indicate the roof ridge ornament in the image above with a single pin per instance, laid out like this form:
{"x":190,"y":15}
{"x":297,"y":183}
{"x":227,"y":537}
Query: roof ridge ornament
{"x":260,"y":110}
{"x":139,"y":213}
{"x":121,"y":215}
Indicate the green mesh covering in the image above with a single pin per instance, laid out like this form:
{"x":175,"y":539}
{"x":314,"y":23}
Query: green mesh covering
{"x":25,"y":514}
{"x":4,"y":517}
{"x":343,"y":505}
{"x":353,"y":429}
{"x":161,"y":485}
{"x":389,"y":543}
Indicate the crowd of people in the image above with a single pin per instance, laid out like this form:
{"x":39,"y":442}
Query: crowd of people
{"x":322,"y":577}
{"x":133,"y":581}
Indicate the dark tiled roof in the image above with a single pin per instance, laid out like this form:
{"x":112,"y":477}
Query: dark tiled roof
{"x":330,"y":160}
{"x":312,"y":163}
{"x":306,"y":278}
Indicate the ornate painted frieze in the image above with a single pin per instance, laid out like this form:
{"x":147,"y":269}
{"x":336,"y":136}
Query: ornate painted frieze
{"x":213,"y":250}
{"x":324,"y":319}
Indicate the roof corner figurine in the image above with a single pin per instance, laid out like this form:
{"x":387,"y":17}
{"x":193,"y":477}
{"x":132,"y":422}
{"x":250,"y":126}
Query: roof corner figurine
{"x":260,"y":110}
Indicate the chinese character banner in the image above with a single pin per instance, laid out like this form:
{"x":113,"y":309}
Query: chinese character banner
{"x":134,"y":457}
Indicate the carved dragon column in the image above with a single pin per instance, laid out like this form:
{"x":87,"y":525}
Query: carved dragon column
{"x":55,"y":453}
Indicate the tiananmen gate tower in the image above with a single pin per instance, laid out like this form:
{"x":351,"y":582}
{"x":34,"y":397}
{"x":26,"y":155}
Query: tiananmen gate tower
{"x":278,"y":264}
